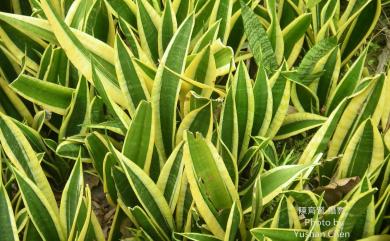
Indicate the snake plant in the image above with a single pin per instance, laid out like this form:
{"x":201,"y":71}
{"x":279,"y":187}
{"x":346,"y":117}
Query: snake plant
{"x":192,"y":120}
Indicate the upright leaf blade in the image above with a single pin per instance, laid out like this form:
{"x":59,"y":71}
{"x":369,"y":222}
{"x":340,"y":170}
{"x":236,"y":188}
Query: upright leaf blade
{"x":347,"y":218}
{"x":148,"y":194}
{"x":212,"y":188}
{"x":138,"y":145}
{"x":167,"y":28}
{"x":78,"y":114}
{"x":80,"y":56}
{"x":244,"y":99}
{"x":131,"y":83}
{"x":364,"y":152}
{"x":72,"y":197}
{"x":8,"y":227}
{"x":170,"y":179}
{"x":166,"y":88}
{"x":43,"y":216}
{"x":22,"y":155}
{"x":258,"y":40}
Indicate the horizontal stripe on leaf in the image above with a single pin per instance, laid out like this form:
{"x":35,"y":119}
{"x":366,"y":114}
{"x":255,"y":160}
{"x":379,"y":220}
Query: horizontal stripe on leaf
{"x":258,"y":40}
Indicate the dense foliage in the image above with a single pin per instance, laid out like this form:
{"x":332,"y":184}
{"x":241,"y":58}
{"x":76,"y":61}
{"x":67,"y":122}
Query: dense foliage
{"x":192,"y":120}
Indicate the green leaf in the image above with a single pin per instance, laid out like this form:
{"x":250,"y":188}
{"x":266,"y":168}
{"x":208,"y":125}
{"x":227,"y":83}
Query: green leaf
{"x":148,"y":21}
{"x":40,"y":28}
{"x":202,"y":15}
{"x":258,"y":40}
{"x":183,"y":207}
{"x":166,"y":88}
{"x":304,"y":98}
{"x":285,"y":215}
{"x":244,"y":102}
{"x":138,"y":145}
{"x":131,"y":38}
{"x":99,"y":22}
{"x":293,"y":32}
{"x":207,"y":38}
{"x":97,"y":147}
{"x":72,"y":149}
{"x":364,"y":152}
{"x":43,"y":216}
{"x":363,"y":105}
{"x":167,"y":28}
{"x":131,"y":83}
{"x":348,"y":83}
{"x":314,"y":60}
{"x":147,"y":224}
{"x":199,"y":237}
{"x":228,"y":123}
{"x":23,"y":157}
{"x":50,"y":96}
{"x":77,"y":115}
{"x":276,"y":179}
{"x":233,"y":224}
{"x":199,"y":120}
{"x":263,"y":103}
{"x":8,"y":227}
{"x":257,"y":203}
{"x":81,"y":57}
{"x":24,"y":48}
{"x":303,"y":198}
{"x":320,"y":140}
{"x":312,"y":3}
{"x":54,"y":66}
{"x":148,"y":194}
{"x":347,"y":218}
{"x":365,"y":223}
{"x":109,"y":101}
{"x":211,"y":186}
{"x":12,"y":104}
{"x":274,"y":32}
{"x":223,"y":58}
{"x":82,"y":229}
{"x":72,"y":197}
{"x":32,"y":233}
{"x":170,"y":179}
{"x":124,"y":9}
{"x":107,"y":179}
{"x":125,"y":194}
{"x":280,"y":234}
{"x":222,"y":12}
{"x":202,"y":69}
{"x":281,"y":98}
{"x":381,"y":205}
{"x":297,"y":123}
{"x":329,"y":77}
{"x":382,"y":237}
{"x":358,"y":31}
{"x":77,"y":16}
